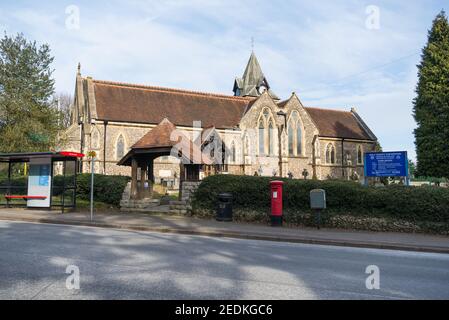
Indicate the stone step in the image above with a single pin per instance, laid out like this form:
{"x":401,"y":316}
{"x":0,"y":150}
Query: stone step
{"x":139,"y":204}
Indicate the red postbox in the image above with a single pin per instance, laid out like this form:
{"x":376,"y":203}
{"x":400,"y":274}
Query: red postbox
{"x":276,"y":202}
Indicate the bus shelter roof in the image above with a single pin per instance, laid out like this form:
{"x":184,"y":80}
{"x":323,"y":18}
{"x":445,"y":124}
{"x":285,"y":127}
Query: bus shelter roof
{"x":26,"y":157}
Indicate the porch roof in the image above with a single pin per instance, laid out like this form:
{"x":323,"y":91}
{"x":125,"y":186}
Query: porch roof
{"x":164,"y":140}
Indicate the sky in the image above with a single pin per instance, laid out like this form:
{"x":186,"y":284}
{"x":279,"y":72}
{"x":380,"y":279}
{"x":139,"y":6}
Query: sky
{"x":335,"y":54}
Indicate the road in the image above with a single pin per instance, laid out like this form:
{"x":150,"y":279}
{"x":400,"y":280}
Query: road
{"x":116,"y":264}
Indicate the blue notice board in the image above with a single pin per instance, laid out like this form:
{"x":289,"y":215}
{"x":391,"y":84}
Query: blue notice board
{"x":386,"y":164}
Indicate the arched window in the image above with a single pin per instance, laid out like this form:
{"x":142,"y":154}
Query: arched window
{"x":359,"y":155}
{"x":295,"y":135}
{"x":120,"y":147}
{"x":261,"y":137}
{"x":330,"y":154}
{"x":291,"y":139}
{"x":266,"y":133}
{"x":271,"y":138}
{"x":266,"y":113}
{"x":298,"y":139}
{"x":233,"y":154}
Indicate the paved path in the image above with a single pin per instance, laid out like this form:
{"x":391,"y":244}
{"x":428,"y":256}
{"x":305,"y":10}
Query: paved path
{"x":117,"y":264}
{"x":187,"y":225}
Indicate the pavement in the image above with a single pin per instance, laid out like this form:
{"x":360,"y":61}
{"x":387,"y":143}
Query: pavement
{"x":42,"y":261}
{"x":208,"y":227}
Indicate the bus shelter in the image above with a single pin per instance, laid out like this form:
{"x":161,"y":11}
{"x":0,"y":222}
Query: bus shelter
{"x":42,"y":180}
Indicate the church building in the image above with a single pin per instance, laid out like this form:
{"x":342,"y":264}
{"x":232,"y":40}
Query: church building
{"x":259,"y":133}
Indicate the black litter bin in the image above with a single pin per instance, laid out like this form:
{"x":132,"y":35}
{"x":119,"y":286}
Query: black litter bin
{"x":224,"y":209}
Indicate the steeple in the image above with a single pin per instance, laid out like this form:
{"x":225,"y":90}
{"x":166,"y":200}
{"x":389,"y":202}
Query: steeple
{"x":253,"y":83}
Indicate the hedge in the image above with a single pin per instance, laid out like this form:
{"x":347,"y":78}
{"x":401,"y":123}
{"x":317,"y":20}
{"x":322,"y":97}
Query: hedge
{"x":19,"y":182}
{"x":107,"y":189}
{"x":426,"y":207}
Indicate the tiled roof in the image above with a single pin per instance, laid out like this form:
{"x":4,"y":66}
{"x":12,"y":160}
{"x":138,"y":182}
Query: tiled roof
{"x":125,"y":102}
{"x":166,"y":135}
{"x":338,"y":124}
{"x":157,"y":137}
{"x":283,"y":103}
{"x":146,"y":104}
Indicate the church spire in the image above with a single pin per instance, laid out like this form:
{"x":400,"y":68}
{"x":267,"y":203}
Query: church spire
{"x":253,"y":83}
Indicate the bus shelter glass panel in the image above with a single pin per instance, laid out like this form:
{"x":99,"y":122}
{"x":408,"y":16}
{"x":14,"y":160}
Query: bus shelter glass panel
{"x":3,"y":181}
{"x":13,"y":181}
{"x":70,"y":183}
{"x":64,"y":184}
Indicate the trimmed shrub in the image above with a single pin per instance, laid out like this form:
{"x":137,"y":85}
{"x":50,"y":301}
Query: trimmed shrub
{"x":107,"y":189}
{"x":15,"y":182}
{"x":419,"y":205}
{"x":18,"y":187}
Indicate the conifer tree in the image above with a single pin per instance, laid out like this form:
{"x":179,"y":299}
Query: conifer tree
{"x":431,"y":106}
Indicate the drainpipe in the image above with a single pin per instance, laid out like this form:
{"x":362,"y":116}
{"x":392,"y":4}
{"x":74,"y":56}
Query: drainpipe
{"x":314,"y":176}
{"x":104,"y":146}
{"x":342,"y":158}
{"x":280,"y":150}
{"x":81,"y":145}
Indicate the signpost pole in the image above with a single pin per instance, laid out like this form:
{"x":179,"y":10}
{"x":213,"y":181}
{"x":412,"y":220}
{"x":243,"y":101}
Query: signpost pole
{"x":318,"y":218}
{"x":92,"y":156}
{"x":9,"y":183}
